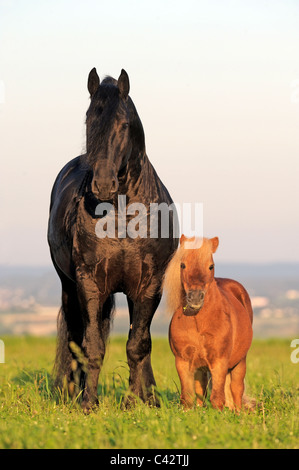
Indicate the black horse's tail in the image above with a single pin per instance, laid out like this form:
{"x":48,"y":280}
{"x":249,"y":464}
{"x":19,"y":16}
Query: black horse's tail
{"x":107,"y":316}
{"x":63,"y":357}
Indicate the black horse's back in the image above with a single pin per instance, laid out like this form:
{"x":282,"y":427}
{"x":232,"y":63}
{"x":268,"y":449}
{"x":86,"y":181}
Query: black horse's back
{"x":68,"y":168}
{"x":116,"y":174}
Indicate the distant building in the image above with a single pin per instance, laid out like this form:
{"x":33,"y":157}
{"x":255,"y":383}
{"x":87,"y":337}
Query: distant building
{"x":259,"y":302}
{"x":292,"y":294}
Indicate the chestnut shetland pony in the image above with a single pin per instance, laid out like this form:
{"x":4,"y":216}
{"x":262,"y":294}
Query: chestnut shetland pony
{"x":211,"y":329}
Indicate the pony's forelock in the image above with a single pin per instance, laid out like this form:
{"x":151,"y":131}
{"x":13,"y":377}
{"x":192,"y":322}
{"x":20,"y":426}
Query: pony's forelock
{"x":172,"y":284}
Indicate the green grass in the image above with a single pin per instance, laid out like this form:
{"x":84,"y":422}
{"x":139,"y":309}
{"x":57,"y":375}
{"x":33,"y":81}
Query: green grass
{"x":32,"y":417}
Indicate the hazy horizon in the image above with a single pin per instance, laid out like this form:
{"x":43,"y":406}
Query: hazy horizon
{"x":216,"y":85}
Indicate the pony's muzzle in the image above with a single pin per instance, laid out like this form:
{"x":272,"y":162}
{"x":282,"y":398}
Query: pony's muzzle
{"x":195,"y":299}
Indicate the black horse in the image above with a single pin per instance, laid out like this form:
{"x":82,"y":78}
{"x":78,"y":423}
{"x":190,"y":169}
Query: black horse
{"x":91,"y":267}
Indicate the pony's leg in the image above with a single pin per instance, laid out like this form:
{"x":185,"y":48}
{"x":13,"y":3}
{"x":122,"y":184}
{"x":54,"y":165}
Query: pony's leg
{"x":229,"y":401}
{"x":139,"y":347}
{"x":201,"y":385}
{"x":218,"y":372}
{"x":186,"y":376}
{"x":237,"y":383}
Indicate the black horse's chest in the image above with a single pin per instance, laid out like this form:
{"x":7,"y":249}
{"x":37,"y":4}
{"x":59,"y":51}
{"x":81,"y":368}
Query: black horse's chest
{"x":116,"y":264}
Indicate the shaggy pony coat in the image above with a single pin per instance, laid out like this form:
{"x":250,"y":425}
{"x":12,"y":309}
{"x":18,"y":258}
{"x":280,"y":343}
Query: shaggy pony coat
{"x":210,"y":340}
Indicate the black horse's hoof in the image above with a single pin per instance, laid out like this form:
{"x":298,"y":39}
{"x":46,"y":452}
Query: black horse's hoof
{"x":88,"y":406}
{"x":131,"y":399}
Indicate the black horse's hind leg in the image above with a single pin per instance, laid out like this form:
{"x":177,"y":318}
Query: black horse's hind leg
{"x":139,"y":347}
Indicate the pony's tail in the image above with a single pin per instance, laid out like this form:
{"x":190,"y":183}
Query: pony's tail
{"x":247,"y":402}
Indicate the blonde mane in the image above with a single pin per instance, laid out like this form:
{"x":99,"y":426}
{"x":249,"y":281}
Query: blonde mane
{"x":172,"y":286}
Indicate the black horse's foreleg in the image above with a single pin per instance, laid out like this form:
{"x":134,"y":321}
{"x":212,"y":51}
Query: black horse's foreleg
{"x":139,"y":348}
{"x":69,"y":331}
{"x":94,"y":338}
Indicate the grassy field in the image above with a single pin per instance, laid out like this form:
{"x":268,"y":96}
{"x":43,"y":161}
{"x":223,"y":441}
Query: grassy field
{"x":32,"y":417}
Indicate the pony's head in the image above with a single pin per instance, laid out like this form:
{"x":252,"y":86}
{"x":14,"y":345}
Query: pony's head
{"x":113,"y":132}
{"x":189,"y":274}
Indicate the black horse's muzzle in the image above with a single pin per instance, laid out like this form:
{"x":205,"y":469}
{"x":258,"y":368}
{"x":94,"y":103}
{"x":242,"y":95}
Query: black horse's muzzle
{"x":105,"y":190}
{"x":104,"y":183}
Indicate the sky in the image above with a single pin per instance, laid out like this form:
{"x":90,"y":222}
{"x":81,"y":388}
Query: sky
{"x":215,"y":83}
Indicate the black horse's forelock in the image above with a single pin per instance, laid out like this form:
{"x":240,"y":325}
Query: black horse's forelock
{"x":109,"y":81}
{"x":101,"y":113}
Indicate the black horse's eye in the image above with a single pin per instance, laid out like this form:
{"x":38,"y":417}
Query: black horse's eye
{"x":211,"y":267}
{"x":183,"y":265}
{"x":125,"y":125}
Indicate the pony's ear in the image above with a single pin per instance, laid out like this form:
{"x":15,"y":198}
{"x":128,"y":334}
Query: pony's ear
{"x":214,"y":242}
{"x":93,"y":82}
{"x":182,"y":239}
{"x":123,"y":84}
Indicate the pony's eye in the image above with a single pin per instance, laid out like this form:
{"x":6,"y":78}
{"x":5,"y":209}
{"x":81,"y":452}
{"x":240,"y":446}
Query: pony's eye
{"x":211,"y":267}
{"x":125,"y":125}
{"x":183,"y":265}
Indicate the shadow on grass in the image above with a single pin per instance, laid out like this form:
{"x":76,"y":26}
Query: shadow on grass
{"x":112,"y":386}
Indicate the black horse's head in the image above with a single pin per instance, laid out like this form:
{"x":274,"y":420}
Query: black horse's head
{"x":113,"y":130}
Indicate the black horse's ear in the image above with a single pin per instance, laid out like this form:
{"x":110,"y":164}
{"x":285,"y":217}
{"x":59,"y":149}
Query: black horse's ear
{"x":93,"y":82}
{"x":123,"y":84}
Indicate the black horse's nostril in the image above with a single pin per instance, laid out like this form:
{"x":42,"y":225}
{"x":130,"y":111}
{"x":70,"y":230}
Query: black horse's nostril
{"x":114,"y":185}
{"x":96,"y":186}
